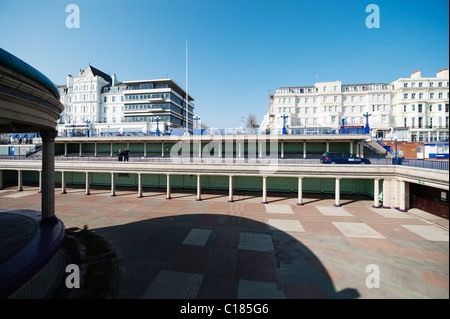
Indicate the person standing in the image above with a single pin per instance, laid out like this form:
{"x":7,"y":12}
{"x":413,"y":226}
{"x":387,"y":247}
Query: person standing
{"x":120,"y":154}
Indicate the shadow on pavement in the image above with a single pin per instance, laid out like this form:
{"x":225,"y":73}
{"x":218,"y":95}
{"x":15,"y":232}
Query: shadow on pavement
{"x":215,"y":256}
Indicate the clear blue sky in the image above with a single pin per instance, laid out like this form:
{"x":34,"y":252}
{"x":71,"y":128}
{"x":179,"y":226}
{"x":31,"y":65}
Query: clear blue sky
{"x":238,"y":49}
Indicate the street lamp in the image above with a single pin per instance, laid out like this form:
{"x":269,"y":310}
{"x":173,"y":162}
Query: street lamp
{"x":343,"y":125}
{"x":284,"y":116}
{"x":87,"y":127}
{"x":157,"y":119}
{"x":196,"y":118}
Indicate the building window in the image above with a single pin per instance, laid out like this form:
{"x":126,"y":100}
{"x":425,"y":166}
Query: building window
{"x":431,"y":107}
{"x":420,"y":84}
{"x":431,"y":95}
{"x":420,"y":95}
{"x":440,"y":95}
{"x":405,"y":96}
{"x":405,"y":85}
{"x":419,"y":108}
{"x":413,"y":95}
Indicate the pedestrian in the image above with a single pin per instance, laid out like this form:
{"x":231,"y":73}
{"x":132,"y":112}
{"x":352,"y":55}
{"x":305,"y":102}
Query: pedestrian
{"x":127,"y":155}
{"x":120,"y":155}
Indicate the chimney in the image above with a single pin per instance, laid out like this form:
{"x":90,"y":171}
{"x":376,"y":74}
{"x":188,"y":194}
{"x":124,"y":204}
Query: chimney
{"x":416,"y":75}
{"x":442,"y":73}
{"x":114,"y":79}
{"x":69,"y":81}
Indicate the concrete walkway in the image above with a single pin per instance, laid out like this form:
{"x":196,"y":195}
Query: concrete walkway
{"x":183,"y":248}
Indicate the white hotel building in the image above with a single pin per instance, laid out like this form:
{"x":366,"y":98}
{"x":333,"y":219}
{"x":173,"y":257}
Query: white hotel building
{"x":414,"y":109}
{"x":100,"y":103}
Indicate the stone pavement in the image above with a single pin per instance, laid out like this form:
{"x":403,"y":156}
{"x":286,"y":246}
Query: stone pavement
{"x":183,"y":248}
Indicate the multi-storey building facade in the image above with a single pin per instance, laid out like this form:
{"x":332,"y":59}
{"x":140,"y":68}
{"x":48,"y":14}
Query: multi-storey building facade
{"x":422,"y":106}
{"x":394,"y":110}
{"x":98,"y":103}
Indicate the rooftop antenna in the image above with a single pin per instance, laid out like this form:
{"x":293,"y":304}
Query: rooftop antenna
{"x":186,"y":132}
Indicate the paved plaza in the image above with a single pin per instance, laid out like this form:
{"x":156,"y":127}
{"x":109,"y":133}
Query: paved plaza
{"x":183,"y":248}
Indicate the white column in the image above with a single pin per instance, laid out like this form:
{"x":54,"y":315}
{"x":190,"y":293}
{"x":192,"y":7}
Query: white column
{"x":19,"y":181}
{"x":300,"y":191}
{"x":168,"y":187}
{"x":63,"y":182}
{"x":264,"y":186}
{"x":113,"y":184}
{"x":95,"y":149}
{"x":376,"y":193}
{"x":140,"y":185}
{"x":65,"y":149}
{"x":81,"y":149}
{"x":112,"y":148}
{"x":402,"y":207}
{"x":162,"y":149}
{"x":304,"y":149}
{"x":282,"y":149}
{"x":337,"y":193}
{"x":239,"y":144}
{"x":199,"y":188}
{"x":351,"y":147}
{"x":328,"y":146}
{"x":220,"y":149}
{"x":88,"y":185}
{"x":230,"y":189}
{"x":145,"y":149}
{"x":386,"y":193}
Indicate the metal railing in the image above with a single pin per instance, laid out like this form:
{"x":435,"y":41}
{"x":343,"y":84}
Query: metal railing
{"x":429,"y":164}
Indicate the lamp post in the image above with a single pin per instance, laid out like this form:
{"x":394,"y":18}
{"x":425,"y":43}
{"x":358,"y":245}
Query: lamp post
{"x":367,"y":128}
{"x":284,"y":116}
{"x":343,"y":125}
{"x":157,"y":119}
{"x":87,"y":127}
{"x":196,"y":118}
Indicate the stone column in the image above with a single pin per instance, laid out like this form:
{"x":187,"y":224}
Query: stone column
{"x":351,"y":148}
{"x":168,"y":187}
{"x":402,"y":198}
{"x":112,"y":148}
{"x":140,"y":185}
{"x":65,"y":149}
{"x":386,"y":193}
{"x":162,"y":149}
{"x":113,"y":184}
{"x":63,"y":182}
{"x":48,"y":176}
{"x":199,"y":188}
{"x":88,"y":185}
{"x":40,"y":181}
{"x":230,"y":189}
{"x":145,"y":149}
{"x":300,"y":191}
{"x":95,"y":149}
{"x":282,"y":149}
{"x":337,"y":193}
{"x":19,"y":181}
{"x":81,"y":149}
{"x":376,"y":193}
{"x":304,"y":149}
{"x":328,"y":146}
{"x":264,"y":186}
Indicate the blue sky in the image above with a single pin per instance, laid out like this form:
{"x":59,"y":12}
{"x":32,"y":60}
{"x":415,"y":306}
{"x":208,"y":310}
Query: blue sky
{"x":239,"y":50}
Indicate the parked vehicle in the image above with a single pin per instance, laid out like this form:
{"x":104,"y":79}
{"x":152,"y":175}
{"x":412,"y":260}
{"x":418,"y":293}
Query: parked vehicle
{"x":342,"y":158}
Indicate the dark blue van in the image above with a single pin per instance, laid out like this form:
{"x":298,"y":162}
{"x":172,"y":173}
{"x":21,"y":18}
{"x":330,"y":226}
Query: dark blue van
{"x":342,"y":158}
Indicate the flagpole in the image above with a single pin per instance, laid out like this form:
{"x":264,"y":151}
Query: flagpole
{"x":187,"y":95}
